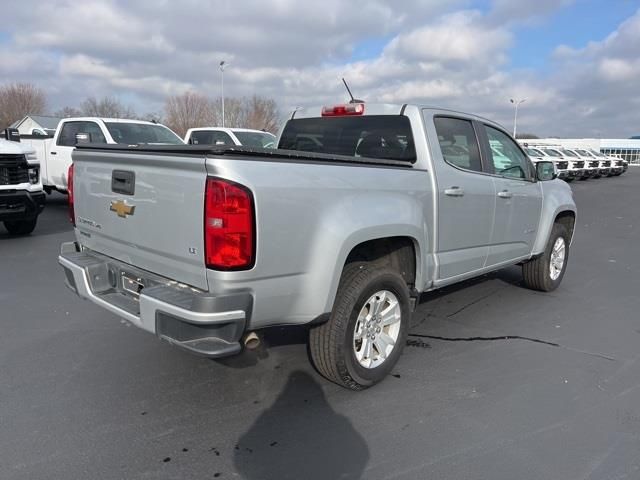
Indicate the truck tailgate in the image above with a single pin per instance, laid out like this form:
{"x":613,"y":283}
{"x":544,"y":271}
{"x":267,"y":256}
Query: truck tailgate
{"x":144,"y":210}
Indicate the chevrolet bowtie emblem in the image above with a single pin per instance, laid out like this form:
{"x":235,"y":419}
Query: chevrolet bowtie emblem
{"x":121,"y":208}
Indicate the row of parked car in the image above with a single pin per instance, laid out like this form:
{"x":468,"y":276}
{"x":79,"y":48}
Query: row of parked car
{"x":577,"y":163}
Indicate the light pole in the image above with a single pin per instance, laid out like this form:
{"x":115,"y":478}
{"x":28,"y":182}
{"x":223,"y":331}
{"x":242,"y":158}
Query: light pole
{"x":515,"y":115}
{"x":223,"y":64}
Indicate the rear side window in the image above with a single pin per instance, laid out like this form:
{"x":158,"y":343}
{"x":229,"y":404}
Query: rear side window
{"x":67,"y":137}
{"x":458,"y":143}
{"x":210,"y":137}
{"x":373,"y":136}
{"x":507,"y":158}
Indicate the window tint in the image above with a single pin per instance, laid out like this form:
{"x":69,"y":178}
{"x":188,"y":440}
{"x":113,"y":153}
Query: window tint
{"x":506,"y":157}
{"x":67,"y":137}
{"x":210,"y":137}
{"x":255,"y":139}
{"x":142,"y":133}
{"x":373,"y":136}
{"x":458,"y":143}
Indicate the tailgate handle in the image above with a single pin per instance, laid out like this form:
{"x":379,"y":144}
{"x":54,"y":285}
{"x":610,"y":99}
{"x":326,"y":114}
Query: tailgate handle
{"x":123,"y":181}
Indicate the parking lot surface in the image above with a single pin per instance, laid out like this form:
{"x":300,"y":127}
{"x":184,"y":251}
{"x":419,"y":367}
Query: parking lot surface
{"x":497,"y":382}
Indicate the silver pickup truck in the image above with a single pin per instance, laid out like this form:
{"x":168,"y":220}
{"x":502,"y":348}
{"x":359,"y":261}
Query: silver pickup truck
{"x":360,"y":209}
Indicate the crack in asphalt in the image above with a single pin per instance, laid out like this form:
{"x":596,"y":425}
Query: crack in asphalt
{"x":464,"y":307}
{"x":512,"y":337}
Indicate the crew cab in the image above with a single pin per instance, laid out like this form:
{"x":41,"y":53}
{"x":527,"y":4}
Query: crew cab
{"x":230,"y":136}
{"x":361,"y":208}
{"x":54,"y":154}
{"x":21,"y":195}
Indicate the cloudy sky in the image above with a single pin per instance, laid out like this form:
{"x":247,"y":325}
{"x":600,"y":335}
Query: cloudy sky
{"x":577,"y":62}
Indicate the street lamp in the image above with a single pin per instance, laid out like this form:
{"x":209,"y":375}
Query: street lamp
{"x":515,"y":116}
{"x":223,"y":65}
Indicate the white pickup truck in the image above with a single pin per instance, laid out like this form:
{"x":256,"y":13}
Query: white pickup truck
{"x":360,"y":209}
{"x":54,"y":154}
{"x":21,"y":195}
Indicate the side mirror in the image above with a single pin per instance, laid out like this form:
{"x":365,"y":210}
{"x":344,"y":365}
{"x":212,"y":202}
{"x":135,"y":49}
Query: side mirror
{"x":12,"y":134}
{"x":545,"y":171}
{"x":83,"y":138}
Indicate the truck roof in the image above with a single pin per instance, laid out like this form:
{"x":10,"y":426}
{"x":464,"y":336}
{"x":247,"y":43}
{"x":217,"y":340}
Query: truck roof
{"x":111,"y":120}
{"x":227,"y":129}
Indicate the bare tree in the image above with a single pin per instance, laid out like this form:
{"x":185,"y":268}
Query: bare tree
{"x":192,"y":109}
{"x":108,"y":107}
{"x":67,"y":112}
{"x":261,"y":114}
{"x":156,"y":117}
{"x":234,"y":112}
{"x":189,"y":110}
{"x":17,"y":100}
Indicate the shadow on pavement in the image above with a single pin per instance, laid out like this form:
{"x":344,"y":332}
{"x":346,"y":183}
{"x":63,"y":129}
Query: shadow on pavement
{"x":269,"y":338}
{"x":301,"y":437}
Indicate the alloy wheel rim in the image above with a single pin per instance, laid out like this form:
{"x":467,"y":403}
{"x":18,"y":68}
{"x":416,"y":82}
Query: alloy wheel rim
{"x":556,"y":262}
{"x":377,"y":329}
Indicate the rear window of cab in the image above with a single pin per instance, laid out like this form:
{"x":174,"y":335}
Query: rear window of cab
{"x":372,"y":136}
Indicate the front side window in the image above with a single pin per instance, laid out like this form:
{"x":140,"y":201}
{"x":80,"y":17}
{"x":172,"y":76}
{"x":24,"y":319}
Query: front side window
{"x":569,"y":153}
{"x":142,"y":134}
{"x":584,"y":153}
{"x":553,"y":153}
{"x":458,"y":143}
{"x":69,"y":131}
{"x":507,"y":159}
{"x":255,"y":139}
{"x":210,"y":137}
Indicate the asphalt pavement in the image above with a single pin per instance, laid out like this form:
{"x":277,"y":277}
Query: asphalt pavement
{"x":497,"y":382}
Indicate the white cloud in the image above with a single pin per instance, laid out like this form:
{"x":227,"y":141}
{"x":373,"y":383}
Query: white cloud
{"x":296,"y":52}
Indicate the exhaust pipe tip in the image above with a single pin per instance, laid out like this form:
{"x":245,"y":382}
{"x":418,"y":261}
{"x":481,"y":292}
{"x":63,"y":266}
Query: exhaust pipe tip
{"x":251,"y":341}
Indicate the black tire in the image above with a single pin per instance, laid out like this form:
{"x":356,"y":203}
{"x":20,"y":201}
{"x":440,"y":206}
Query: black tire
{"x":331,"y":343}
{"x":21,"y":227}
{"x":568,"y":179}
{"x":537,"y":272}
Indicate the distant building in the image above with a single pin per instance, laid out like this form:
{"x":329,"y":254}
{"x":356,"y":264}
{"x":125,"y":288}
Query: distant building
{"x":37,"y":125}
{"x":627,"y":148}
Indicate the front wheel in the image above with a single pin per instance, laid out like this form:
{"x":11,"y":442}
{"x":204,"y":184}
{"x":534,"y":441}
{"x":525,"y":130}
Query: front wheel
{"x":367,"y":329}
{"x":21,"y":227}
{"x":546,"y":271}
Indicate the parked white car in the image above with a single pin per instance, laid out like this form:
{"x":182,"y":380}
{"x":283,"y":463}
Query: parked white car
{"x":54,"y":154}
{"x":230,"y":136}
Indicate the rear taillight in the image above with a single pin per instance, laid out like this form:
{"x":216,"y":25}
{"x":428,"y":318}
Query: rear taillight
{"x":72,"y":216}
{"x":229,"y":226}
{"x":343,"y":110}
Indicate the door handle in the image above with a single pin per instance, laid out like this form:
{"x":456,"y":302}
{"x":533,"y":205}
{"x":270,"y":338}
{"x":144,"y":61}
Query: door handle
{"x":53,"y":153}
{"x":454,"y":192}
{"x":505,"y":194}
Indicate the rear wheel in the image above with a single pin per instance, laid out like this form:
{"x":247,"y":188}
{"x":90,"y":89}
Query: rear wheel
{"x":546,"y":271}
{"x":21,"y":227}
{"x":367,"y":329}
